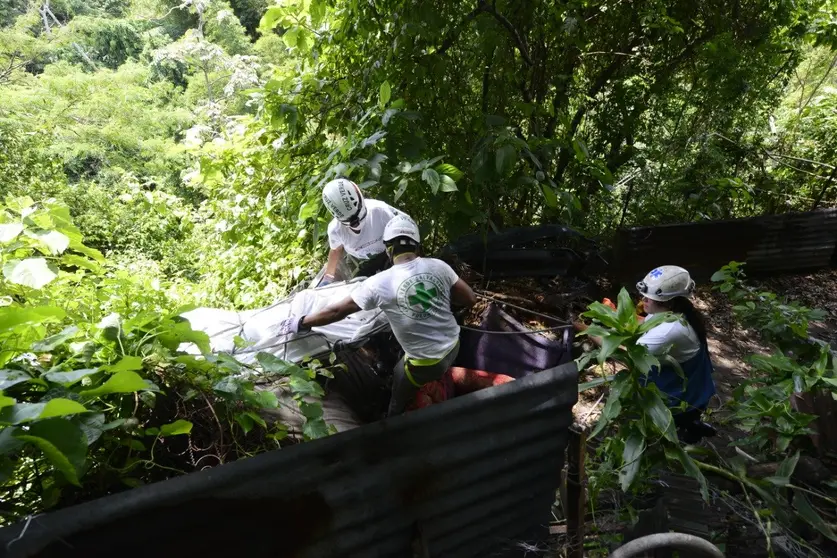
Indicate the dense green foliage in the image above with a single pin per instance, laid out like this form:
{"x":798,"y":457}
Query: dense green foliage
{"x":641,"y":440}
{"x":156,"y":154}
{"x":232,"y":115}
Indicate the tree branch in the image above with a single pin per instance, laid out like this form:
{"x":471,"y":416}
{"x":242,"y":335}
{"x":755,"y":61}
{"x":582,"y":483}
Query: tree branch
{"x":456,"y":31}
{"x":824,"y":188}
{"x":521,"y":42}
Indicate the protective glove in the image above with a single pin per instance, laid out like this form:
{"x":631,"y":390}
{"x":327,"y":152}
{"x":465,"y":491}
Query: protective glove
{"x":290,"y":325}
{"x":326,"y":280}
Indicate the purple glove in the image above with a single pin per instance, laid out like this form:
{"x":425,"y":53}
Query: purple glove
{"x":290,"y":325}
{"x":326,"y":280}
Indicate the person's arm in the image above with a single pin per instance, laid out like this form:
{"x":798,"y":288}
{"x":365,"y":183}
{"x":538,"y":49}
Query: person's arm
{"x":580,"y":327}
{"x":332,"y":313}
{"x":462,"y":295}
{"x":334,"y":257}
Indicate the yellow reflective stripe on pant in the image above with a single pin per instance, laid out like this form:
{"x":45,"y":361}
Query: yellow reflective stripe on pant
{"x":408,"y":377}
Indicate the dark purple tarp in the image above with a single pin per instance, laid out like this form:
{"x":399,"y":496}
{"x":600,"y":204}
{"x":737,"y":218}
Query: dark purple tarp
{"x":512,"y":355}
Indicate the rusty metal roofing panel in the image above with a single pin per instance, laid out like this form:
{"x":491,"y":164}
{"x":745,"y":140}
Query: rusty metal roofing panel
{"x":769,"y":244}
{"x":461,"y":478}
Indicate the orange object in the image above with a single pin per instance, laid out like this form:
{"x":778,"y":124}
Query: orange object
{"x":466,"y":380}
{"x":456,"y":381}
{"x":608,"y":302}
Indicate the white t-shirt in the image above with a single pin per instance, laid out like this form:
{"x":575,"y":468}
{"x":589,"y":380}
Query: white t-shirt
{"x":415,"y":297}
{"x":368,"y":241}
{"x":679,"y":335}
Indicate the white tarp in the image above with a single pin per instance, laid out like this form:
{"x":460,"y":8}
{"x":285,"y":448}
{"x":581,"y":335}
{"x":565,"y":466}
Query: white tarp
{"x":258,"y":327}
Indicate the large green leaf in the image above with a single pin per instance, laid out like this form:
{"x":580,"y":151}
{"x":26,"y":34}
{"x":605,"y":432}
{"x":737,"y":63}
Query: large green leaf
{"x":631,"y":460}
{"x":182,"y":332}
{"x":71,"y":377}
{"x":91,"y":253}
{"x":266,"y":400}
{"x":176,"y":428}
{"x":54,"y":341}
{"x":619,"y":388}
{"x":129,"y":362}
{"x":79,"y":261}
{"x":660,"y":415}
{"x":432,"y":178}
{"x":26,"y":412}
{"x":9,"y":232}
{"x":641,"y":359}
{"x":807,"y":512}
{"x":5,"y":400}
{"x":384,"y":93}
{"x":610,"y":343}
{"x":12,"y":316}
{"x":34,"y":273}
{"x":275,"y":365}
{"x":549,"y":196}
{"x":785,"y":470}
{"x":603,"y":313}
{"x":9,"y":444}
{"x":271,"y":18}
{"x":92,"y":424}
{"x":301,"y":386}
{"x":504,"y":160}
{"x":654,"y":321}
{"x":55,"y":241}
{"x":60,"y":407}
{"x":314,"y":426}
{"x":121,"y":382}
{"x":9,"y":378}
{"x":245,"y":420}
{"x":62,"y":442}
{"x":450,"y":170}
{"x":401,"y":188}
{"x":291,"y":36}
{"x":21,"y":412}
{"x":447,"y":184}
{"x":625,"y":310}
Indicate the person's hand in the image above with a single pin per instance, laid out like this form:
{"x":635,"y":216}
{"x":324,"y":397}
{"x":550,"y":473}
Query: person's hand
{"x":579,"y":326}
{"x":326,"y":280}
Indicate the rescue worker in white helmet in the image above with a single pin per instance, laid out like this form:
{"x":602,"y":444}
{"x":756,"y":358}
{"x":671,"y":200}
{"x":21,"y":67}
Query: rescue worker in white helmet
{"x":668,"y":289}
{"x":415,"y":294}
{"x":357,"y":229}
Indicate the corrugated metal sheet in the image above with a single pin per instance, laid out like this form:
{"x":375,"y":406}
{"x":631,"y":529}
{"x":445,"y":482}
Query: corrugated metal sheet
{"x":466,"y":477}
{"x":769,"y":244}
{"x":534,"y":251}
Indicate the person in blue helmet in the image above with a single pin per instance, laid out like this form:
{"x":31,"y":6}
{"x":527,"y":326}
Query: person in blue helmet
{"x":668,"y":289}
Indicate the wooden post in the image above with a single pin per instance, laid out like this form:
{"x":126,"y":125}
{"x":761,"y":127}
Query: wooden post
{"x":576,"y":508}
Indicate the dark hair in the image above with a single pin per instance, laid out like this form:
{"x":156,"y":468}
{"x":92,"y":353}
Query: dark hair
{"x":682,"y":305}
{"x":402,"y":245}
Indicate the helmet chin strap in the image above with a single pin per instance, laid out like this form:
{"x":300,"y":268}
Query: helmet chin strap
{"x":355,"y":222}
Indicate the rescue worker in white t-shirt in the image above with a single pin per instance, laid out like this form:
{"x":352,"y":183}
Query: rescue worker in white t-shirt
{"x":357,"y":229}
{"x":415,"y":294}
{"x":668,"y":289}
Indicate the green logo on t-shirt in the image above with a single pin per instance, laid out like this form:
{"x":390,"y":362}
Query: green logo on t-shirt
{"x":423,"y":296}
{"x":415,"y":295}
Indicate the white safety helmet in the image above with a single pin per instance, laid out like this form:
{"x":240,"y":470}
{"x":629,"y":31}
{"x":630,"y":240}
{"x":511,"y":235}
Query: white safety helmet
{"x":666,"y":282}
{"x":344,"y":200}
{"x":401,"y":226}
